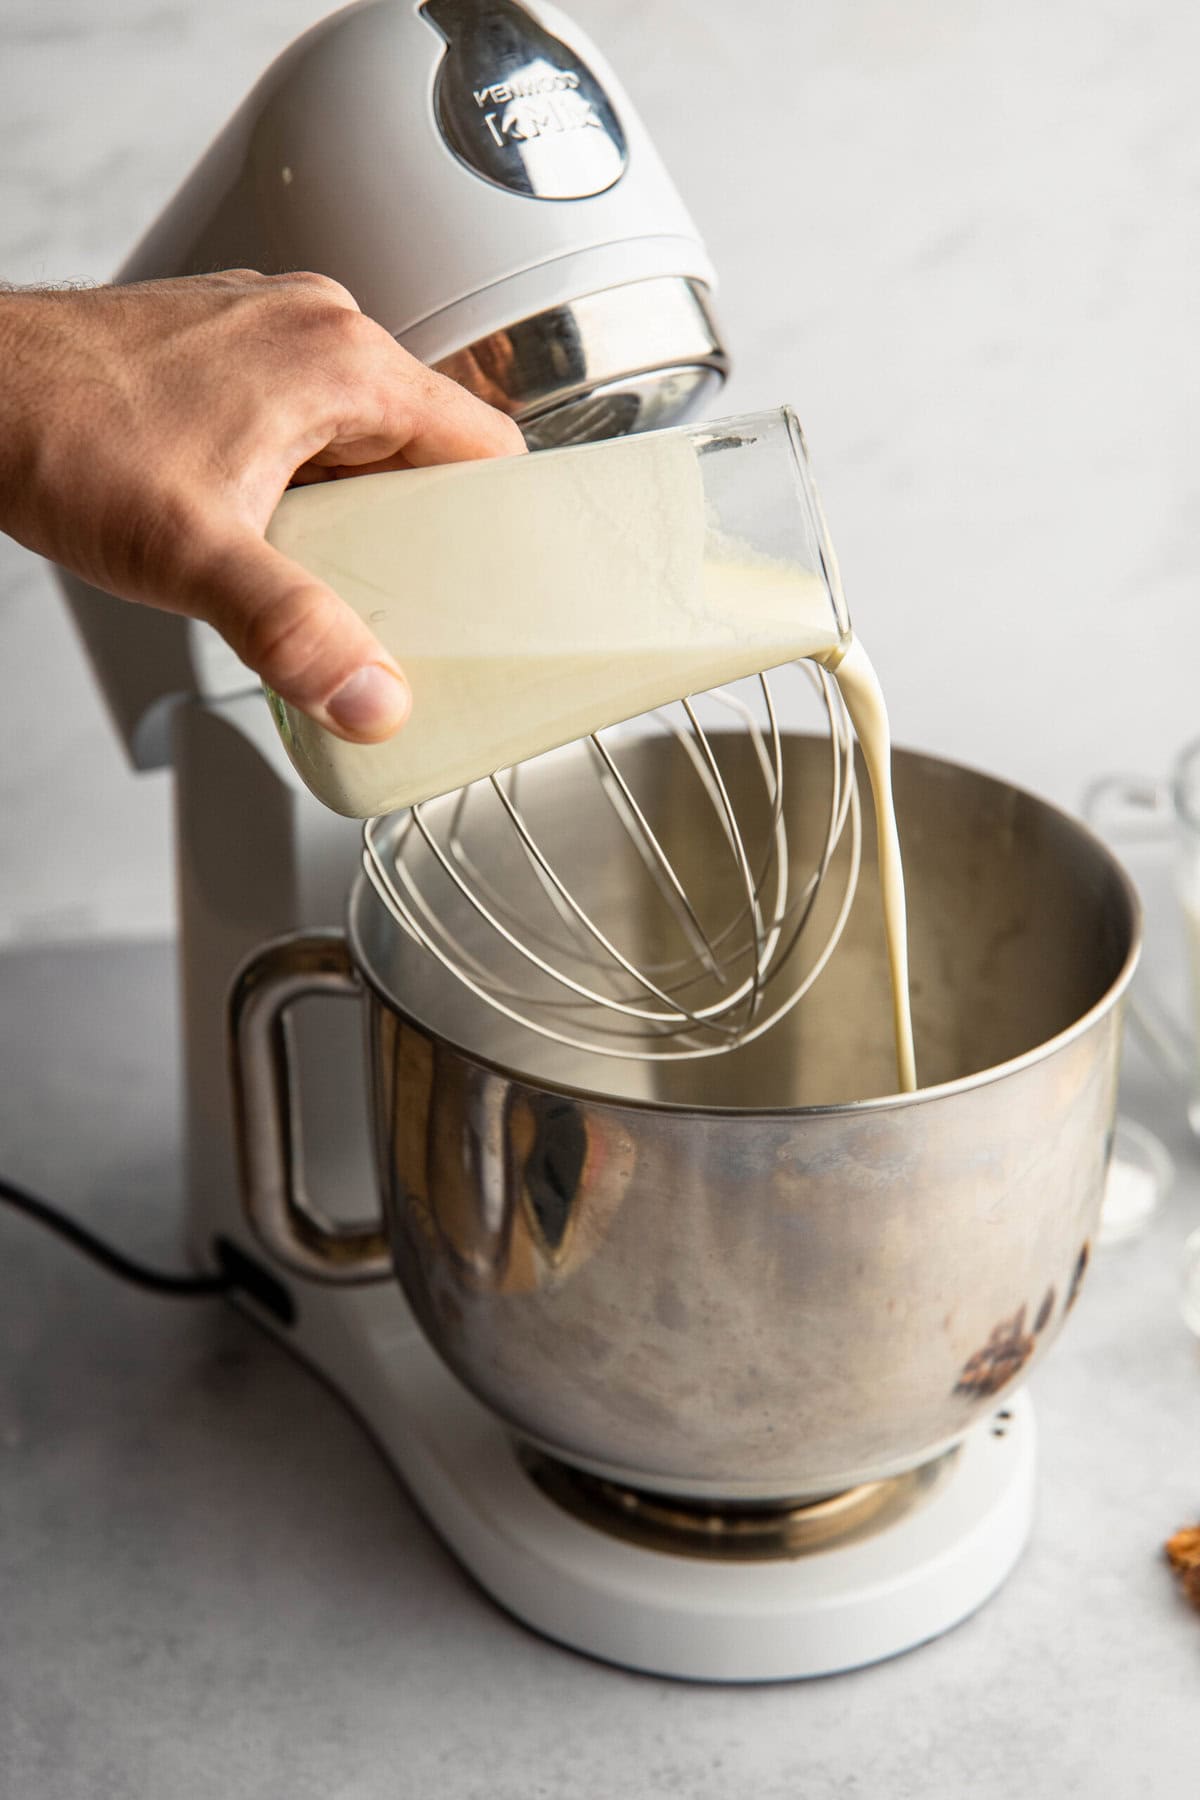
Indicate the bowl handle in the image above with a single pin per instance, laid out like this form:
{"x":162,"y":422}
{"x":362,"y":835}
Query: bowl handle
{"x":265,"y":1111}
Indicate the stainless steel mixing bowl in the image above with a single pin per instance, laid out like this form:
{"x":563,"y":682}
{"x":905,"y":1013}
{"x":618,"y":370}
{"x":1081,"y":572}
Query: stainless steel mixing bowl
{"x":763,"y":1276}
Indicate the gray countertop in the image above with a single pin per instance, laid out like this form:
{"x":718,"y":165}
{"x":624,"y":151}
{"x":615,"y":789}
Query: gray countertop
{"x":211,"y":1582}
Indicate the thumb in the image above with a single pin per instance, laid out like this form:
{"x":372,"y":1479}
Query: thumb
{"x":304,"y":641}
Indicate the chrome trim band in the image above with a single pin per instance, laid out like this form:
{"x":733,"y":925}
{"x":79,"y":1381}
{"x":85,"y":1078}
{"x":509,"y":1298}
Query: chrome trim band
{"x":656,"y":340}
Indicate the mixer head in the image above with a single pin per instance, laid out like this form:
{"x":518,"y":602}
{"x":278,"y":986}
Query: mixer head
{"x":474,"y":174}
{"x":661,"y":923}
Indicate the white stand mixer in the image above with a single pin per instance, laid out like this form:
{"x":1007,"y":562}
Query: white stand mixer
{"x":560,"y":275}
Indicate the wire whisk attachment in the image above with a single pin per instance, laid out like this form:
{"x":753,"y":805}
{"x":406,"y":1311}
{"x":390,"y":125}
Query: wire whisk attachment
{"x":662,"y":920}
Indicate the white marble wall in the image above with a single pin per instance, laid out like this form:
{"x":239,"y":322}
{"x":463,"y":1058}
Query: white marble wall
{"x":961,"y":238}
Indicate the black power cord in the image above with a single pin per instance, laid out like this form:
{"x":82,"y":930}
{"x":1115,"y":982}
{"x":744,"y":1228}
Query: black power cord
{"x":154,"y":1280}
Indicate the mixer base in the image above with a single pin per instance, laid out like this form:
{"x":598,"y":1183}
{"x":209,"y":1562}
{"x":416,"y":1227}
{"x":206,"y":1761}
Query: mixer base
{"x":850,"y":1602}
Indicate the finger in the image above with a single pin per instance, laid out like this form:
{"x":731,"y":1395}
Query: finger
{"x":386,"y":465}
{"x":398,"y":407}
{"x":308,"y":474}
{"x":303,"y":640}
{"x":450,"y":425}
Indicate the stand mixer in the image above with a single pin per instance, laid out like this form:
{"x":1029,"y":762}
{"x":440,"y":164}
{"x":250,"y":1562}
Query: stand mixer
{"x":557,"y":274}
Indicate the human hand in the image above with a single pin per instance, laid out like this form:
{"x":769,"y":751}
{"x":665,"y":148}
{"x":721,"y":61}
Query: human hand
{"x":147,"y":433}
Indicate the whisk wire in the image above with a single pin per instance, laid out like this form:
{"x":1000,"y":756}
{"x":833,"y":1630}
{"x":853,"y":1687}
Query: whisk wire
{"x":591,"y":964}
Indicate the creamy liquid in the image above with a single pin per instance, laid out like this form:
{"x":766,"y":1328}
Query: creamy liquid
{"x":863,"y":695}
{"x":473,"y":714}
{"x":625,"y":597}
{"x":516,"y":640}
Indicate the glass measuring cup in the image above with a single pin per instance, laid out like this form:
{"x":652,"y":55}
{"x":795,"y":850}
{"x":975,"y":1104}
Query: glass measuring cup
{"x":534,"y":600}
